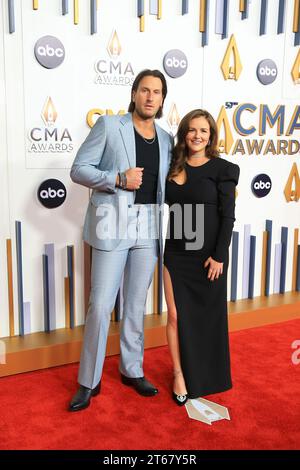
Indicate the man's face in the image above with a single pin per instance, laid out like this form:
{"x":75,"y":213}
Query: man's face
{"x":148,"y":98}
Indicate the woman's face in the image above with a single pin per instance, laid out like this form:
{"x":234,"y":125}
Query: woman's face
{"x":198,"y":136}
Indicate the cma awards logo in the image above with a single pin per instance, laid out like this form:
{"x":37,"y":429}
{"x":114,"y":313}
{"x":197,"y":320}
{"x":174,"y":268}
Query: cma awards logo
{"x":292,"y":187}
{"x":260,"y":119}
{"x":49,"y":138}
{"x":296,"y":70}
{"x":173,"y":118}
{"x":231,"y":65}
{"x":266,"y":118}
{"x":113,"y":71}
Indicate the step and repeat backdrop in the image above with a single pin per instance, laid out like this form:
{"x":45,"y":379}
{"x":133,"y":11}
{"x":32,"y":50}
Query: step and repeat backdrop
{"x":63,"y":63}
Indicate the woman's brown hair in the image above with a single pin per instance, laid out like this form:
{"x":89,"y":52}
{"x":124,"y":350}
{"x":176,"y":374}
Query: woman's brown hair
{"x":180,"y":150}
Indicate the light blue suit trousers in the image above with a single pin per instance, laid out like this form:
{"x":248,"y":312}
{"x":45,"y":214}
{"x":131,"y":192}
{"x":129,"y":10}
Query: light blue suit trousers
{"x":136,"y":257}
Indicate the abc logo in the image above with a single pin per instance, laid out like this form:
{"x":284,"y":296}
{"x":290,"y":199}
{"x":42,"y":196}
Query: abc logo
{"x":261,"y":185}
{"x":52,"y":193}
{"x":266,"y":71}
{"x":175,"y":63}
{"x":49,"y":52}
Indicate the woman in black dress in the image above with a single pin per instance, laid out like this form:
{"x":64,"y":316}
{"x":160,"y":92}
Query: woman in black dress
{"x":195,"y":277}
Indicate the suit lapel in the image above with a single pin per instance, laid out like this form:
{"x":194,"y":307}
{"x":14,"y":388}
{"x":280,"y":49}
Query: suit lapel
{"x":163,"y":153}
{"x":127,"y":134}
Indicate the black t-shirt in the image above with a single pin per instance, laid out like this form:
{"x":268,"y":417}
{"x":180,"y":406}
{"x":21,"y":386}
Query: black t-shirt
{"x":147,"y":157}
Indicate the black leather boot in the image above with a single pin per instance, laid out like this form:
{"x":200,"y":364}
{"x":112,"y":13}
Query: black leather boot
{"x":82,"y":397}
{"x":140,"y":384}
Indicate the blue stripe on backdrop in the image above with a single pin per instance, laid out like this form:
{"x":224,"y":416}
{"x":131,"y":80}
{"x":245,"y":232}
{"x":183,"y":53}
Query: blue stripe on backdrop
{"x":219,"y":16}
{"x":245,"y":13}
{"x":225,"y":19}
{"x":234,"y":265}
{"x":153,"y":7}
{"x":160,"y":283}
{"x":204,"y":38}
{"x":246,"y":261}
{"x":65,"y":7}
{"x":269,"y":224}
{"x":277,"y":263}
{"x":93,"y":16}
{"x":27,"y":318}
{"x":281,"y":16}
{"x":11,"y":16}
{"x":284,"y":242}
{"x":185,"y":7}
{"x":49,"y":251}
{"x":140,"y":7}
{"x":46,"y":294}
{"x":252,"y":266}
{"x":263,"y":17}
{"x":298,"y":270}
{"x":71,"y":279}
{"x":20,"y":276}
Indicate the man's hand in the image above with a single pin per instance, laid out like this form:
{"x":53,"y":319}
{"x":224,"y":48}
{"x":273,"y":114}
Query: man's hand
{"x":134,"y":178}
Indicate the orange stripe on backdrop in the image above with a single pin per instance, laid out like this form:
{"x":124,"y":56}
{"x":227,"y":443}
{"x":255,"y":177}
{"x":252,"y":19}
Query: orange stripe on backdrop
{"x":74,"y":284}
{"x":242,"y":6}
{"x":76,"y":12}
{"x":155,"y":290}
{"x":202,"y":16}
{"x":10,"y":287}
{"x":296,"y":16}
{"x":295,"y":253}
{"x":264,"y":264}
{"x":142,"y":23}
{"x":159,"y":13}
{"x":67,"y":303}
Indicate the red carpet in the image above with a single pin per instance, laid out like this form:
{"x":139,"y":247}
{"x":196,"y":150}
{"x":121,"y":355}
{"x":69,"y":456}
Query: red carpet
{"x":264,"y":404}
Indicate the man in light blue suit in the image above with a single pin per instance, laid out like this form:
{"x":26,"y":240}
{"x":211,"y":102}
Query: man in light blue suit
{"x":125,"y":161}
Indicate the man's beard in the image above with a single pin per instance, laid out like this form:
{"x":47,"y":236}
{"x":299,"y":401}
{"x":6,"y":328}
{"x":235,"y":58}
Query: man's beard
{"x":145,"y":116}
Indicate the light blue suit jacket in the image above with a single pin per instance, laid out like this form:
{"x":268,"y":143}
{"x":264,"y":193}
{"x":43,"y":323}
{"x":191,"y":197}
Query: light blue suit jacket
{"x":108,"y":149}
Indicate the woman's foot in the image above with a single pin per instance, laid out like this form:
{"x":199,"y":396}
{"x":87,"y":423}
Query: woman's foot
{"x":179,"y":394}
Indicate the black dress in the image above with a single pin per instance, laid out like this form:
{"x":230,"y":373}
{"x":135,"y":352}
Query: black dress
{"x":202,"y":304}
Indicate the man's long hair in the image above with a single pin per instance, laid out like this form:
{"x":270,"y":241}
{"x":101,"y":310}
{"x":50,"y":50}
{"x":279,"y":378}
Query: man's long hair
{"x":135,"y":85}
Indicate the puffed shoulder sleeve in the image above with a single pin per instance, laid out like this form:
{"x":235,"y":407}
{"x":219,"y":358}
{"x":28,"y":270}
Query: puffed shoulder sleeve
{"x":226,"y":183}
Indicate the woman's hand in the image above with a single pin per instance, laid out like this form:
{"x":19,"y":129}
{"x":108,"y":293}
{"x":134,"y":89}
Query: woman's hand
{"x":215,"y":269}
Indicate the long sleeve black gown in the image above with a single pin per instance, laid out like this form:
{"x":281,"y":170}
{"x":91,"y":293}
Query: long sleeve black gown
{"x":202,"y":304}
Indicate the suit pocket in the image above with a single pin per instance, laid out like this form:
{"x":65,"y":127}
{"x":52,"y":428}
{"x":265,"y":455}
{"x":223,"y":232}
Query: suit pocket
{"x":98,"y":198}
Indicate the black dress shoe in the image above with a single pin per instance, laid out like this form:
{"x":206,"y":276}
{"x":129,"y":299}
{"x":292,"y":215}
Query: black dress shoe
{"x":82,"y":397}
{"x":140,"y":384}
{"x":180,"y":400}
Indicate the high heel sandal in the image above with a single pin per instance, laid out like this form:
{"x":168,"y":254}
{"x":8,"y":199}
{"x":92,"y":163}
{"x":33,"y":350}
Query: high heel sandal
{"x":179,"y":399}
